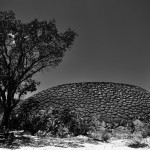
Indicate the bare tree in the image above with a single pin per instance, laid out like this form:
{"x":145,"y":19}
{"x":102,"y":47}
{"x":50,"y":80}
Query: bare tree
{"x":25,"y":49}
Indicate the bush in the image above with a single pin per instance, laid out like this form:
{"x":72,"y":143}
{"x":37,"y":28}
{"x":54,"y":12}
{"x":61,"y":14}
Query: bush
{"x":67,"y":122}
{"x":57,"y":122}
{"x":98,"y":130}
{"x":142,"y":131}
{"x":32,"y":122}
{"x":142,"y":128}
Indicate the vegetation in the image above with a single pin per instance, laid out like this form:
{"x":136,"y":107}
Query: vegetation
{"x":51,"y":123}
{"x":54,"y":122}
{"x":137,"y":144}
{"x":25,"y":49}
{"x":28,"y":48}
{"x":142,"y":131}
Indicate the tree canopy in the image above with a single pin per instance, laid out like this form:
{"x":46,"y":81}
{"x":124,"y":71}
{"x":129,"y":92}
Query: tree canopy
{"x":25,"y":49}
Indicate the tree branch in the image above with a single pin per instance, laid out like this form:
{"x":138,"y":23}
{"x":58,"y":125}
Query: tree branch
{"x":33,"y":65}
{"x":4,"y":59}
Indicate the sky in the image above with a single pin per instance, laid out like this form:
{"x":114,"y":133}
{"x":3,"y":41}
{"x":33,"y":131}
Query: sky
{"x":113,"y":43}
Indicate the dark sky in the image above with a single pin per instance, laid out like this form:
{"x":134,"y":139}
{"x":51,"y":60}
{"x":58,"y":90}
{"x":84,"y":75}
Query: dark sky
{"x":113,"y":42}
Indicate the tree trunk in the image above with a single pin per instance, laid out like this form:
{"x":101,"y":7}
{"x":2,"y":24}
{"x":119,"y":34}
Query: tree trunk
{"x":5,"y":120}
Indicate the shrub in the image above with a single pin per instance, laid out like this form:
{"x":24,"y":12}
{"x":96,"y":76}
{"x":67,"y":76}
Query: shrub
{"x":57,"y":122}
{"x":142,"y":128}
{"x":98,"y":129}
{"x":141,"y":131}
{"x":67,"y":122}
{"x":32,"y":122}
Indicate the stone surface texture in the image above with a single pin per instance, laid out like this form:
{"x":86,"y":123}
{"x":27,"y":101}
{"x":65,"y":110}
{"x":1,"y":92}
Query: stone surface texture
{"x":111,"y":101}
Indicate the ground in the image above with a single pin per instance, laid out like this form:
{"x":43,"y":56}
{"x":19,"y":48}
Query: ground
{"x":71,"y":143}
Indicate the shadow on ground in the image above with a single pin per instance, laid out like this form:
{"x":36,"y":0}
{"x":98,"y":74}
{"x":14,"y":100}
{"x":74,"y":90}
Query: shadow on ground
{"x":34,"y":141}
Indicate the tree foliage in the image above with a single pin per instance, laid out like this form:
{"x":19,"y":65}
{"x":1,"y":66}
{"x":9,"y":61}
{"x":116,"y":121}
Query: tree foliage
{"x":25,"y":49}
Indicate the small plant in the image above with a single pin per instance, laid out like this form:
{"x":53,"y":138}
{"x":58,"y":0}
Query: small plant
{"x":137,"y":144}
{"x":98,"y":130}
{"x":146,"y":131}
{"x":106,"y":136}
{"x":139,"y":135}
{"x":142,"y":128}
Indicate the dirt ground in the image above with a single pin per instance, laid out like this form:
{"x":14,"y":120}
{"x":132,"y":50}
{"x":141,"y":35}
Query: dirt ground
{"x":80,"y":142}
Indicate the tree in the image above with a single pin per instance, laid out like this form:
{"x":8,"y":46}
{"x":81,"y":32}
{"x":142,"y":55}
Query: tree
{"x":26,"y":49}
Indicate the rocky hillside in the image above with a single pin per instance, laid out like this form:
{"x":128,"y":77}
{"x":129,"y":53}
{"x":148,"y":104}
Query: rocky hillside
{"x":109,"y":100}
